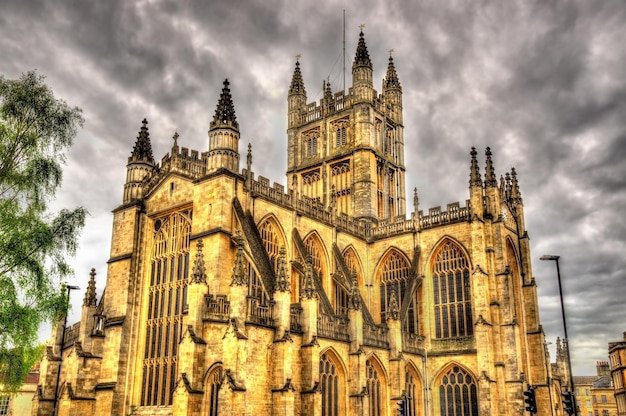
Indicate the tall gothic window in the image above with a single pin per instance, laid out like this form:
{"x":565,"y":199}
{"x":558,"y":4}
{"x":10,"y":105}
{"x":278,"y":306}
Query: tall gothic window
{"x":329,"y":383}
{"x":395,"y":276}
{"x":457,"y":394}
{"x":167,"y":299}
{"x":342,"y":186}
{"x":374,"y":388}
{"x":271,"y":242}
{"x":412,"y":392}
{"x":452,"y":292}
{"x":213,"y":384}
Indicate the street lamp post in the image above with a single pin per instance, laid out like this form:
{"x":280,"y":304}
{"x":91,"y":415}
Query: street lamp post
{"x":566,"y":340}
{"x":56,"y":388}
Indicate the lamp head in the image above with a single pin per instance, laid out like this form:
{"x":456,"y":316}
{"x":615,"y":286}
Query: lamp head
{"x":549,"y":257}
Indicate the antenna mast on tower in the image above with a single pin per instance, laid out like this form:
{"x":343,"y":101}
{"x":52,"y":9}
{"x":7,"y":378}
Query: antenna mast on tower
{"x":344,"y":50}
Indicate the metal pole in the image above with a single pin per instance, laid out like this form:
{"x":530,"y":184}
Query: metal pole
{"x":56,"y":388}
{"x":566,"y":339}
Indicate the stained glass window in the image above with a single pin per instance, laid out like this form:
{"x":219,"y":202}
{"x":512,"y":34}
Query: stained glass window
{"x":167,"y":299}
{"x":452,"y":292}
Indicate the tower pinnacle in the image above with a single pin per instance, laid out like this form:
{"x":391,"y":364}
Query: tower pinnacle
{"x":391,"y":80}
{"x":225,"y":111}
{"x":297,"y":84}
{"x":142,"y":151}
{"x":362,"y":57}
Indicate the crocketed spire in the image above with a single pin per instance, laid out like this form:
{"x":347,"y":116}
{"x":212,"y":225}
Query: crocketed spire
{"x":90,"y":294}
{"x":297,"y":84}
{"x":474,"y":170}
{"x":391,"y":79}
{"x":225,"y":111}
{"x":143,"y":148}
{"x":198,"y":274}
{"x":239,"y":274}
{"x":362,"y":57}
{"x":490,"y":176}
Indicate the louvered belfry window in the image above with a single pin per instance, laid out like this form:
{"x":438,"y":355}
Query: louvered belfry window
{"x":167,"y":298}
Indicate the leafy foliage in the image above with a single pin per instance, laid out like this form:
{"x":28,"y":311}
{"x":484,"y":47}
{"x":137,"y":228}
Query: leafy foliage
{"x":36,"y":130}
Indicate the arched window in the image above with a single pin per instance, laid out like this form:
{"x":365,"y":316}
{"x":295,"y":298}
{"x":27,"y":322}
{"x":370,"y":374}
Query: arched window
{"x":167,"y":298}
{"x":394,"y":277}
{"x":213,"y":384}
{"x":271,"y":241}
{"x":412,"y":390}
{"x":340,"y":136}
{"x":452,"y":292}
{"x":457,"y":394}
{"x":374,"y":388}
{"x":329,"y":383}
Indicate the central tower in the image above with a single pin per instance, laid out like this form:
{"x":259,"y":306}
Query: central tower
{"x":347,"y":152}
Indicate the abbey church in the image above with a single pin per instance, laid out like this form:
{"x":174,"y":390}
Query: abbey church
{"x":331,"y":294}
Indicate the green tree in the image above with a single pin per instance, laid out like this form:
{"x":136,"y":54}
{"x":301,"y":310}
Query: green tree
{"x":36,"y":130}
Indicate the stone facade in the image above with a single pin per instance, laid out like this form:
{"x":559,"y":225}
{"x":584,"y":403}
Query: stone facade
{"x":225,"y":295}
{"x":617,"y":358}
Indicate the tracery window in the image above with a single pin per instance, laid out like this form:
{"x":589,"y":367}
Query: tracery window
{"x":457,"y":394}
{"x":167,"y":298}
{"x":329,"y":384}
{"x":452,"y":292}
{"x":374,"y":388}
{"x":341,"y":183}
{"x":412,"y":392}
{"x":310,"y":146}
{"x":394,"y":278}
{"x":311,"y":184}
{"x":271,"y":241}
{"x":214,"y":382}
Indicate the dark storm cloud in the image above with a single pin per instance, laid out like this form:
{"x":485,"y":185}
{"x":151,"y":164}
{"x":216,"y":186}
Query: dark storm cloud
{"x":542,"y":83}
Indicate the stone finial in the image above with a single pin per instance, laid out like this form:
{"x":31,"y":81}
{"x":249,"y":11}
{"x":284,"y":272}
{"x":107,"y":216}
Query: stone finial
{"x":362,"y":57}
{"x":490,"y":176}
{"x":474,"y":171}
{"x":391,"y":80}
{"x":282,"y":280}
{"x":416,"y":201}
{"x":308,"y":286}
{"x":239,"y":272}
{"x":249,"y":158}
{"x":90,"y":293}
{"x":143,"y":147}
{"x":394,"y":308}
{"x":198,"y":274}
{"x":354,"y":300}
{"x":297,"y":84}
{"x":516,"y":195}
{"x":225,"y":112}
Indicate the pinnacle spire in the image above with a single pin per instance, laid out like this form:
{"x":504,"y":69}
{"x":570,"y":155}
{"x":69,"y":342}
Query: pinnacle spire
{"x":362,"y":57}
{"x":474,"y":170}
{"x":282,"y":279}
{"x":515,"y":192}
{"x":239,"y":274}
{"x":490,"y":176}
{"x":225,"y":111}
{"x":143,"y":148}
{"x":297,"y":84}
{"x":90,"y":294}
{"x":199,"y":270}
{"x":391,"y":79}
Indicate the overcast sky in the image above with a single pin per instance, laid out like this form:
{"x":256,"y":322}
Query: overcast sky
{"x":543,"y":83}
